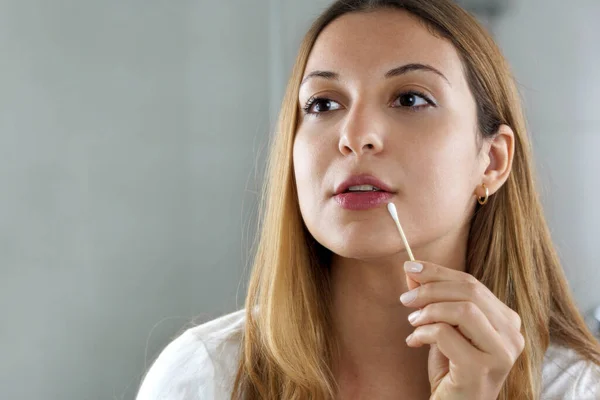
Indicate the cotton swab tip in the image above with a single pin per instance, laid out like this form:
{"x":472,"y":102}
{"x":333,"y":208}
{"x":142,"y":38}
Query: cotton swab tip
{"x":392,"y":210}
{"x":394,"y":214}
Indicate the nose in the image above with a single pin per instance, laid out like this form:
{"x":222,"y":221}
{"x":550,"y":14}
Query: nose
{"x":361,"y":134}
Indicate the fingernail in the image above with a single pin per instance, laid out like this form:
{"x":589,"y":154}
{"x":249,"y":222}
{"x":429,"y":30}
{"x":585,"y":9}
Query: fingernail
{"x":407,"y":297}
{"x":409,"y":337}
{"x":411,"y":266}
{"x":413,"y":316}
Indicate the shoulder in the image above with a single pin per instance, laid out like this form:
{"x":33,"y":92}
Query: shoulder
{"x":567,"y":375}
{"x":199,"y":364}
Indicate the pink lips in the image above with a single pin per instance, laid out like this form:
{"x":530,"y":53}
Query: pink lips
{"x":362,"y":200}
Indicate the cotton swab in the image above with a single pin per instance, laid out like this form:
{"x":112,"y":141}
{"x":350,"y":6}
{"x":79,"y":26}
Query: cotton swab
{"x":392,"y":209}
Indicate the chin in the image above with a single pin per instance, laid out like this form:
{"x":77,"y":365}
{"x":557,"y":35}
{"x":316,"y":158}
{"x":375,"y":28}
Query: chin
{"x":364,"y":254}
{"x":361,"y":245}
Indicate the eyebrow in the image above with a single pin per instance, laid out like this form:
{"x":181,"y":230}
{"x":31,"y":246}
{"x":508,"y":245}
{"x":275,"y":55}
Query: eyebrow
{"x":404,"y":69}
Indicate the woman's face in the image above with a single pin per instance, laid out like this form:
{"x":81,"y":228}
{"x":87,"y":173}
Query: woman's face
{"x":412,"y":128}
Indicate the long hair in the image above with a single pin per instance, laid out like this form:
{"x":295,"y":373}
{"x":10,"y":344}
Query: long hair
{"x":288,"y":343}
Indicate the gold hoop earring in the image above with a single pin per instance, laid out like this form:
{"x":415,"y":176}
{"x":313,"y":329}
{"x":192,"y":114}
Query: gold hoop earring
{"x":483,"y":200}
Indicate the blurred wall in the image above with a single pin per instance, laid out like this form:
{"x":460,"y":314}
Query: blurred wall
{"x":132,"y":139}
{"x":129,"y":134}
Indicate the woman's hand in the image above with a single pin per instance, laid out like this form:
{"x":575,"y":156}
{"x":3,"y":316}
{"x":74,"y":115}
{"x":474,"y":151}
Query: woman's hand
{"x":475,"y":338}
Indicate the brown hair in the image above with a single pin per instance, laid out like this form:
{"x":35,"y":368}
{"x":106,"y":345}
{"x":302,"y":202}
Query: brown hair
{"x":288,"y":345}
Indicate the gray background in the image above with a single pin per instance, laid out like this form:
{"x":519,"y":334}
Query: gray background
{"x":132,"y":140}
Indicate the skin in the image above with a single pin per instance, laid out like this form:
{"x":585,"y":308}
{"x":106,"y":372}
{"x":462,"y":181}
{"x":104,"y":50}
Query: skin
{"x":431,"y":158}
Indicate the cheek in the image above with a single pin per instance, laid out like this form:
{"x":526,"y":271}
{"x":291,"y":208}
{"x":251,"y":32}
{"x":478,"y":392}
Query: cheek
{"x":443,"y":184}
{"x":312,"y":160}
{"x":308,"y":171}
{"x":443,"y":153}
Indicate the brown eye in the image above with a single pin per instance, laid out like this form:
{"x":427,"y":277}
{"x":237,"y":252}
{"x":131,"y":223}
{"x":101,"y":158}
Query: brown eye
{"x":408,"y":100}
{"x":317,"y":105}
{"x":413,"y":100}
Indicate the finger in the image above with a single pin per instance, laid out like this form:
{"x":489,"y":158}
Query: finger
{"x":442,"y":292}
{"x":467,"y":318}
{"x":424,"y":272}
{"x":466,"y":362}
{"x":431,"y":272}
{"x":411,"y":283}
{"x":449,"y":341}
{"x":475,"y":292}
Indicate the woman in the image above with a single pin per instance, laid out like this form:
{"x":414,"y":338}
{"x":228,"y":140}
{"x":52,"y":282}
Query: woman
{"x":409,"y":102}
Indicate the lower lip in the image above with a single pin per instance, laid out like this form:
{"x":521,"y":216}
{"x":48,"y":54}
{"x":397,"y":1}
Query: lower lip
{"x":362,"y":200}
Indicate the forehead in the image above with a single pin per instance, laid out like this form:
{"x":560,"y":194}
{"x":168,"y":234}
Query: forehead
{"x":371,"y":43}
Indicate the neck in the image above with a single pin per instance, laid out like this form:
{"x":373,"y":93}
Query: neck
{"x":370,"y":322}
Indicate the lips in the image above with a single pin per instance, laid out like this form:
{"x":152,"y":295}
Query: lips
{"x":360,"y":201}
{"x":357,"y":201}
{"x":358,"y":180}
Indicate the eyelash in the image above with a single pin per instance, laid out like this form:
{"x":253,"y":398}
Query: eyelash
{"x":315,"y":99}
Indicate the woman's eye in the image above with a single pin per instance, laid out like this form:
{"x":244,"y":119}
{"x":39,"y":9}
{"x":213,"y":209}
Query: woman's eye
{"x":413,"y":100}
{"x":320,"y":105}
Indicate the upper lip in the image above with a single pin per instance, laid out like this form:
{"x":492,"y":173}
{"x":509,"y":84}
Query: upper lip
{"x":363,"y":179}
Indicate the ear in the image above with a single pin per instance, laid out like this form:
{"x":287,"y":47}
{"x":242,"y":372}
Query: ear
{"x":497,"y":163}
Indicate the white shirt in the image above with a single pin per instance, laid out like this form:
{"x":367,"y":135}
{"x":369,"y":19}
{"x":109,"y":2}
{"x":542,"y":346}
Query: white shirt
{"x":201,"y":365}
